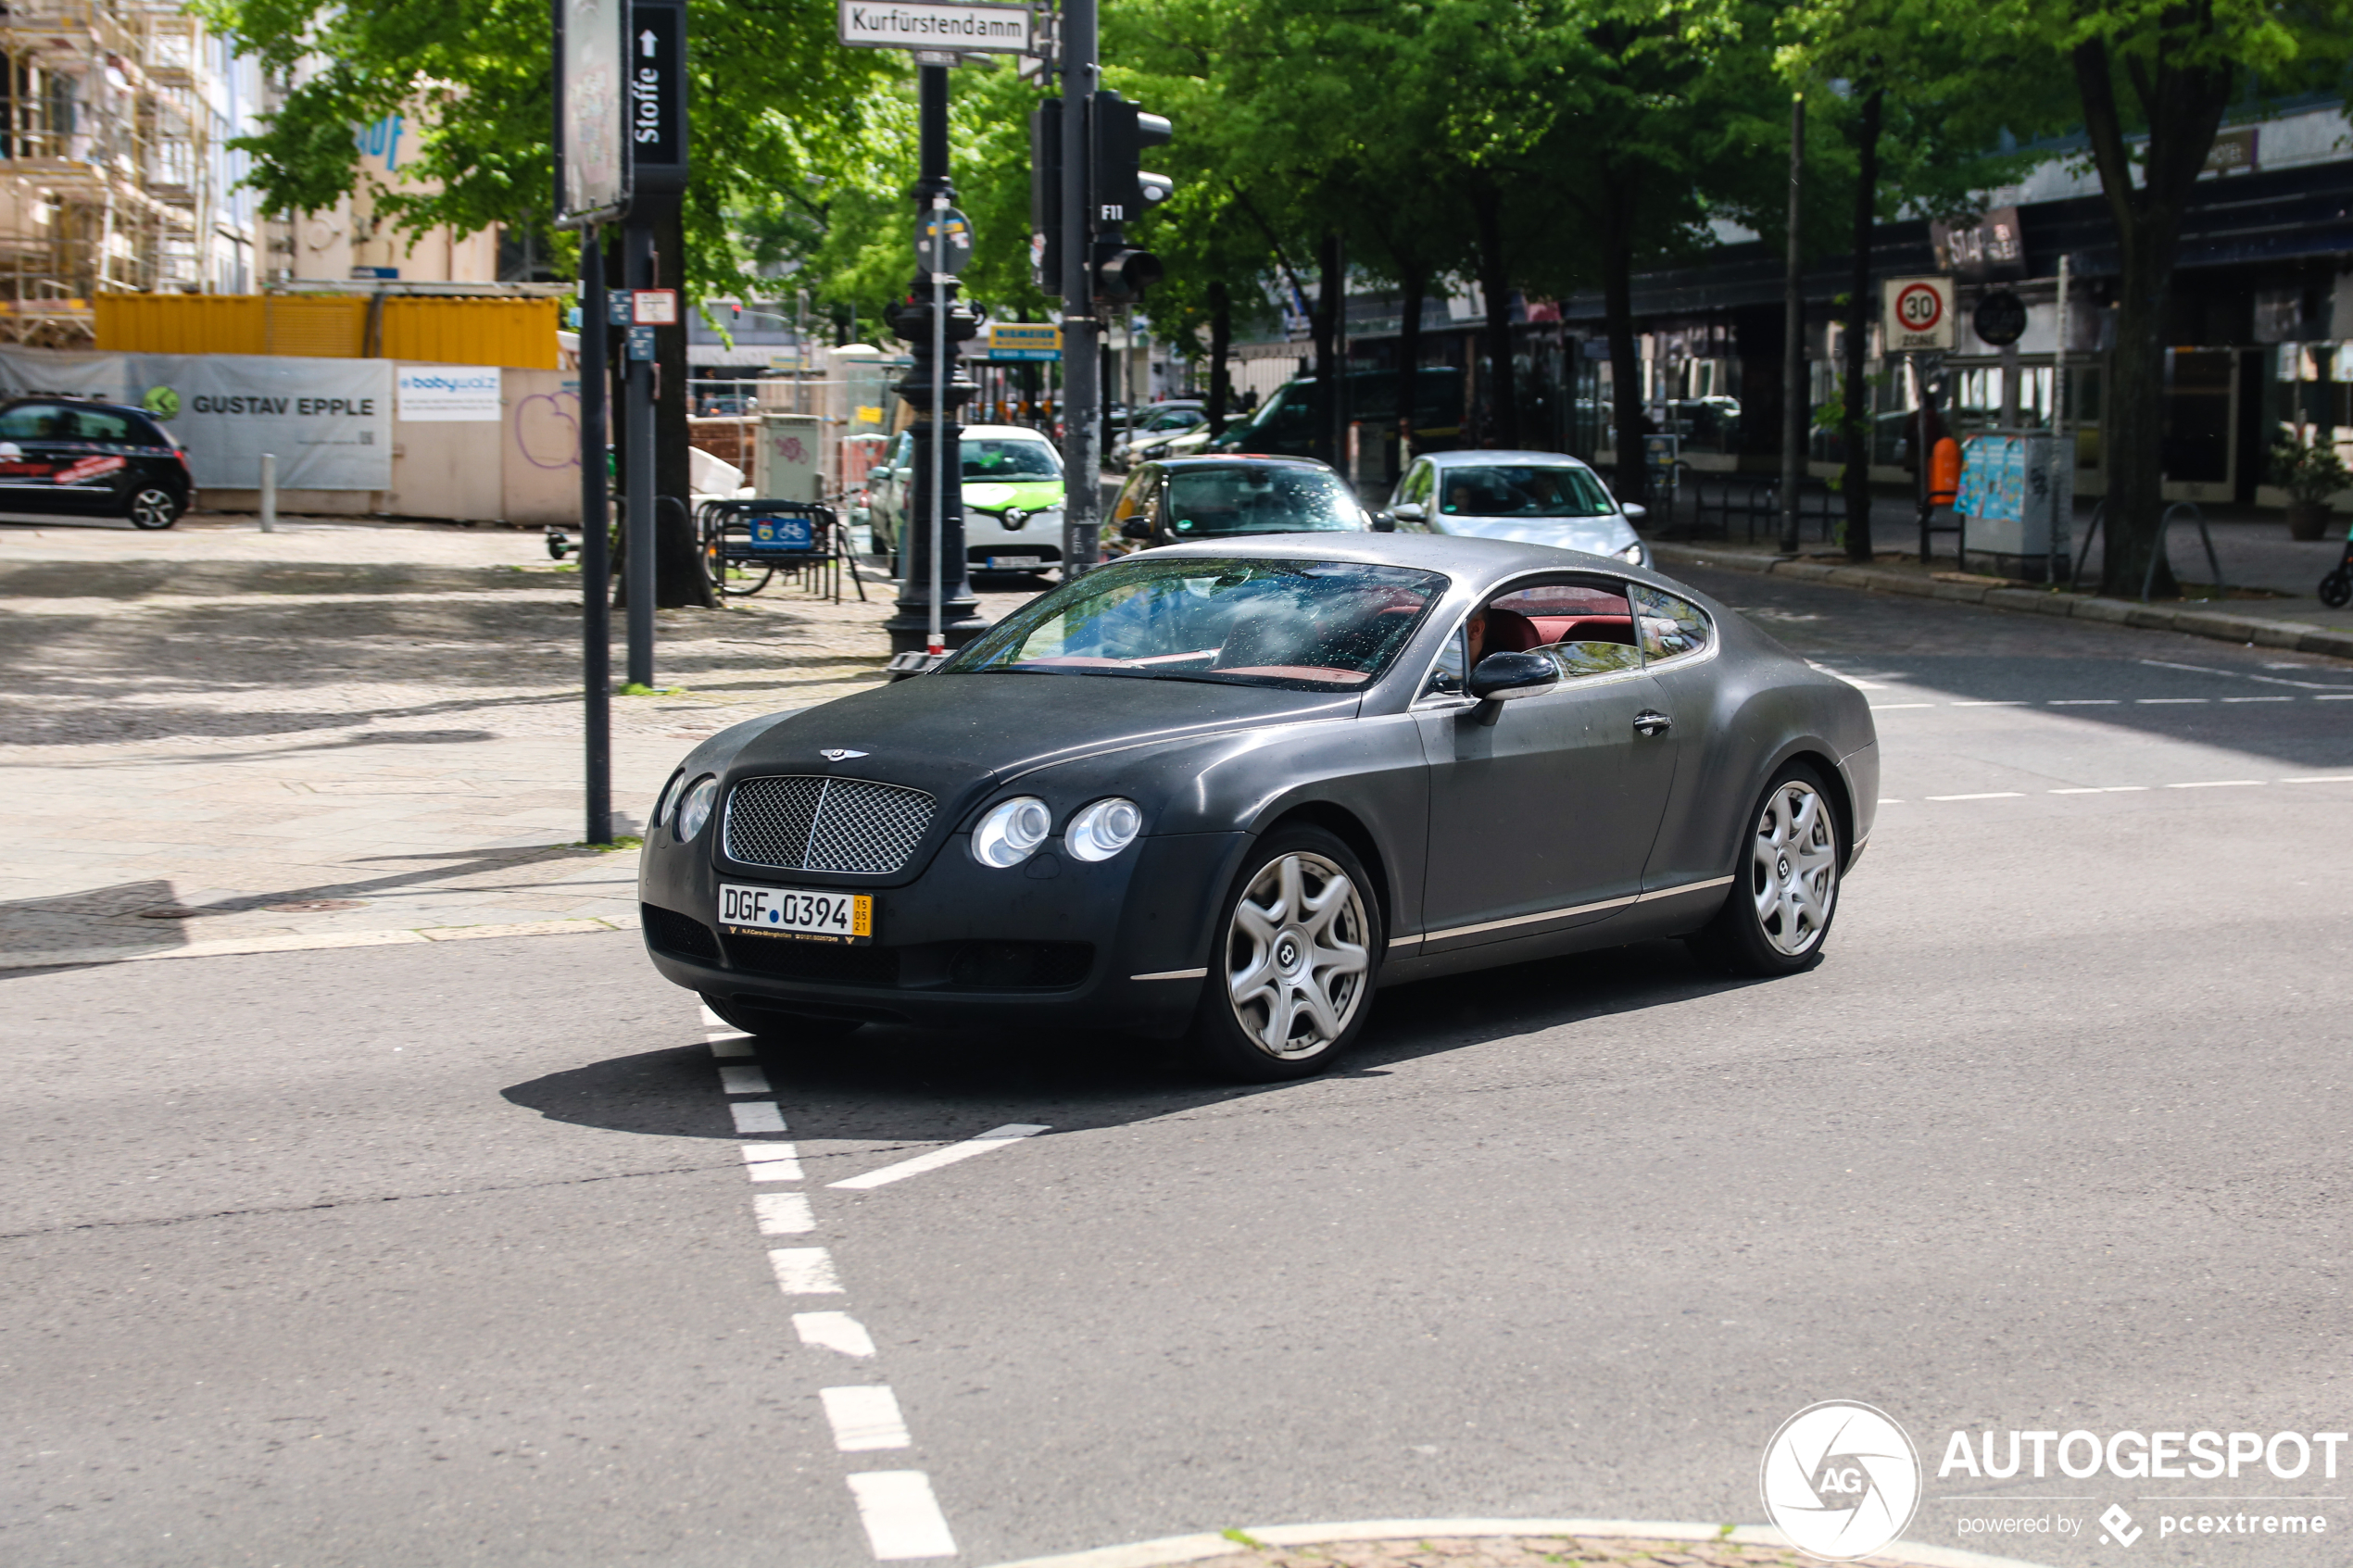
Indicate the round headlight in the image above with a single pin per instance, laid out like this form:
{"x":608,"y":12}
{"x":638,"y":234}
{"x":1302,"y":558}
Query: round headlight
{"x":1102,"y":830}
{"x":1012,"y":831}
{"x":1635,"y":552}
{"x":669,"y":794}
{"x":695,"y":810}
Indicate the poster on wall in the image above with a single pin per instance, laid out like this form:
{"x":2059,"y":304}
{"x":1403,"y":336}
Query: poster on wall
{"x":448,"y":392}
{"x":327,"y":420}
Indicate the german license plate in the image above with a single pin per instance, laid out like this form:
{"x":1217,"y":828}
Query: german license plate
{"x":847,"y":917}
{"x":1016,"y":563}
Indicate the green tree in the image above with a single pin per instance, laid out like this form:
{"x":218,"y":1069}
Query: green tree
{"x":2167,"y":69}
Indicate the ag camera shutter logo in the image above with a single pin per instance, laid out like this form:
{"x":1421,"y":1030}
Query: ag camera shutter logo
{"x":1841,"y":1480}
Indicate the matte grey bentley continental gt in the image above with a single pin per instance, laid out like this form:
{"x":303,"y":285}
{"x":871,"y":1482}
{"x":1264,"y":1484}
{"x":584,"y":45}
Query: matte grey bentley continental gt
{"x":1228,"y":790}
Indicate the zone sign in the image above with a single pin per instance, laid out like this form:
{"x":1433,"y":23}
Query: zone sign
{"x":653,"y":307}
{"x":1918,"y":313}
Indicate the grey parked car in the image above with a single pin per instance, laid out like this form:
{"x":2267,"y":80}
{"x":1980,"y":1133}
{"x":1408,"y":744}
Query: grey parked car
{"x":1534,"y":497}
{"x":1226,"y":790}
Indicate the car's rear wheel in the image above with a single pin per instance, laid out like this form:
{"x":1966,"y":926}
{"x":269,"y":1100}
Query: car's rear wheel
{"x":1785,"y":885}
{"x":1290,"y":980}
{"x":152,"y":506}
{"x":778,"y":1026}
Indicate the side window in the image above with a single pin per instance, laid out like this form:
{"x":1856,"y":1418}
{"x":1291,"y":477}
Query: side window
{"x":1446,"y":676}
{"x":1132,"y":495}
{"x":1585,"y":626}
{"x":36,"y":422}
{"x":1671,"y":628}
{"x":94,"y":424}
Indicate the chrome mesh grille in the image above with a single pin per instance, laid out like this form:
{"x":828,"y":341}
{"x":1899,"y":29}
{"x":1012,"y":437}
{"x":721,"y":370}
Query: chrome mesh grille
{"x":809,"y":822}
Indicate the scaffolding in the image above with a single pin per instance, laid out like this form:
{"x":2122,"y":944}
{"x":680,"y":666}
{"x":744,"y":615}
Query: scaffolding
{"x":111,"y":125}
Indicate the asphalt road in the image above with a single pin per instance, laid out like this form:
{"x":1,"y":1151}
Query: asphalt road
{"x":447,"y":1255}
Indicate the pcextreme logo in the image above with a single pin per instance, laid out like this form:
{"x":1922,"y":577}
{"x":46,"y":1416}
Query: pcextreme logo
{"x":1841,"y":1480}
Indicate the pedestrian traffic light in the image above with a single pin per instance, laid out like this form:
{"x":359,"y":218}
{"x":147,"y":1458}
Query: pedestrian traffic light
{"x":1121,"y":191}
{"x":1046,"y":197}
{"x":1124,"y":191}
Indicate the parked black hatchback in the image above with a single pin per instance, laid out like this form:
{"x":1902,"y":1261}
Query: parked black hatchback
{"x":80,"y":459}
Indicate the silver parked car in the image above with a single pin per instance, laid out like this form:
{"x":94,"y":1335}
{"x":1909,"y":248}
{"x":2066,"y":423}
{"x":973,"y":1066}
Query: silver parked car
{"x":1527,"y":498}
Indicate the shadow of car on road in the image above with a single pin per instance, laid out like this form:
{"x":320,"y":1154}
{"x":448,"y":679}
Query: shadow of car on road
{"x":893,"y":1085}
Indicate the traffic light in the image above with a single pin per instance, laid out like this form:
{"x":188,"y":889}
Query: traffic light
{"x":1046,"y":197}
{"x":1121,"y":190}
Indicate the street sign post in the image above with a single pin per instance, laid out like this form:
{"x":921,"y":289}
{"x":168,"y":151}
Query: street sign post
{"x":942,"y":28}
{"x":943,"y":244}
{"x":593,"y":111}
{"x":1918,"y":314}
{"x":943,"y":241}
{"x":1024,"y":340}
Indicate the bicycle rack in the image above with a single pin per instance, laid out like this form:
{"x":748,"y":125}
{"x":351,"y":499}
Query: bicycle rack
{"x":2164,"y":537}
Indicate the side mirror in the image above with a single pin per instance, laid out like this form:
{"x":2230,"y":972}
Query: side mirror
{"x":1409,"y":512}
{"x":1384,"y":523}
{"x":1635,"y":511}
{"x":1136,"y":528}
{"x":1502,"y":676}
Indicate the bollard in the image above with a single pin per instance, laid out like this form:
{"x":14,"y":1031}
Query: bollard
{"x":270,"y":492}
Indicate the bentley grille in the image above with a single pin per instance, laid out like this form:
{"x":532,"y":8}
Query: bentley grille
{"x":810,"y":823}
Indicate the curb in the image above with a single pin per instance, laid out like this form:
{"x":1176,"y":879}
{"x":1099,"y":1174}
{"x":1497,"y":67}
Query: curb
{"x":231,"y":946}
{"x":1174,"y":1549}
{"x":2295,"y":636}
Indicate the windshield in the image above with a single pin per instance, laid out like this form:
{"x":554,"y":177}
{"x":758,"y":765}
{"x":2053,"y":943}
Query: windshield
{"x":1257,"y":498}
{"x":1175,"y":419}
{"x":1009,"y":459}
{"x":1304,"y":625}
{"x":1522,"y":490}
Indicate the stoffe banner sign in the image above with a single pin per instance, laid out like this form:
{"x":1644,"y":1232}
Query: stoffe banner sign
{"x":1918,"y":314}
{"x":594,"y":110}
{"x":969,"y":29}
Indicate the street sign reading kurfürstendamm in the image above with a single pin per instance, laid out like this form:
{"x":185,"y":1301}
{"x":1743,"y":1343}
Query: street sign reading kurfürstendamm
{"x":965,"y":29}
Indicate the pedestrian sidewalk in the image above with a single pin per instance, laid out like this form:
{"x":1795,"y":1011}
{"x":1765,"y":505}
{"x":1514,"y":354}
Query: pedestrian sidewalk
{"x":343,"y":732}
{"x":2254,"y":551}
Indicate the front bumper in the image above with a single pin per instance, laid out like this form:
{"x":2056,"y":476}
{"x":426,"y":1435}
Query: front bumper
{"x":1054,"y":942}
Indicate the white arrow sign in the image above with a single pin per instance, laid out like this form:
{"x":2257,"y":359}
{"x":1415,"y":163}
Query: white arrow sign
{"x":646,"y":44}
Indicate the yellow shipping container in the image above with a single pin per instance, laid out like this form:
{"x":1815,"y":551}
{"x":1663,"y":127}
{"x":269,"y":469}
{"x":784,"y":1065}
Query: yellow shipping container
{"x":517,"y":333}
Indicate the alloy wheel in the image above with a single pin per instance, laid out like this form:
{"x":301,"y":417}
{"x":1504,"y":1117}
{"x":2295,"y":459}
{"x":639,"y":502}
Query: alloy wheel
{"x":1793,"y":868}
{"x":1295,"y":956}
{"x":153,"y":508}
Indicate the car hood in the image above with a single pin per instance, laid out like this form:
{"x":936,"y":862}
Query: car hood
{"x":961,"y":738}
{"x":1595,"y":535}
{"x":1031,"y":494}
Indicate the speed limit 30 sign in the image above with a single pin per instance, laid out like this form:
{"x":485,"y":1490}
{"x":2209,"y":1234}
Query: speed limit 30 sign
{"x":1917,"y":313}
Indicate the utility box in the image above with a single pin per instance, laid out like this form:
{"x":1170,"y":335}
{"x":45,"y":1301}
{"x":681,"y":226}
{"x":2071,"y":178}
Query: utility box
{"x":2016,"y":499}
{"x":788,"y":463}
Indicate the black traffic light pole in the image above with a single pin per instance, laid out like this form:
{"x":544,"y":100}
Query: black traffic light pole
{"x":937,"y":436}
{"x":1082,"y":334}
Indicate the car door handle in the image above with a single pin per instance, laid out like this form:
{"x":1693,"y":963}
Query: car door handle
{"x":1651,"y":722}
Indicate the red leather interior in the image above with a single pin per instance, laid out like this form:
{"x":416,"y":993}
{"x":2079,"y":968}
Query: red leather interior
{"x":1581,"y":628}
{"x":1510,"y":632}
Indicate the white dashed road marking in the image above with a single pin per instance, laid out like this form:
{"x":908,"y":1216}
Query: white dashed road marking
{"x":805,"y":1271}
{"x":902,"y":1518}
{"x":865,"y":1418}
{"x":997,"y":1138}
{"x":744,"y":1081}
{"x":757,"y":1116}
{"x":771,"y":1162}
{"x":783,"y":1214}
{"x":1989,"y":794}
{"x":2217,"y":784}
{"x":834,"y":1331}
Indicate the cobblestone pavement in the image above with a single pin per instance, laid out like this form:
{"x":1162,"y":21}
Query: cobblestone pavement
{"x":214,"y":738}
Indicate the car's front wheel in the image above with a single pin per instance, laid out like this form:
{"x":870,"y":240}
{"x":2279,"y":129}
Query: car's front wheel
{"x":152,"y":506}
{"x":1785,"y":885}
{"x":780,"y":1028}
{"x":1290,"y":980}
